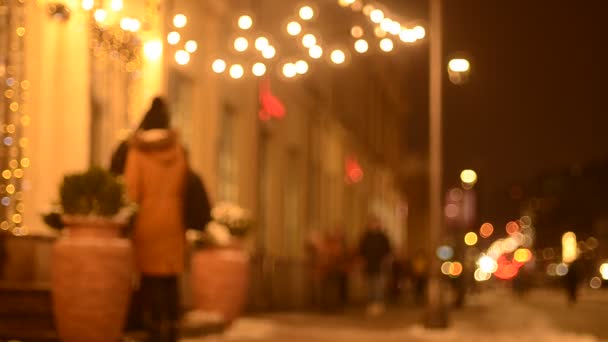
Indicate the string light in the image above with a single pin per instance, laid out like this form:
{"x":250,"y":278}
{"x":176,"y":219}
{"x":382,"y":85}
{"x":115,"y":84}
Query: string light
{"x":361,"y":46}
{"x":258,"y":69}
{"x":191,"y":46}
{"x":315,"y":52}
{"x":180,"y":21}
{"x":245,"y":22}
{"x":218,"y":66}
{"x":13,"y":94}
{"x":294,"y":28}
{"x":237,"y":71}
{"x":307,"y":13}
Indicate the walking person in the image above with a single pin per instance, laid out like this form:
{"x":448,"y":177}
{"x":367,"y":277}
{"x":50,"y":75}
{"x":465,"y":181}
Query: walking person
{"x":375,"y":250}
{"x":155,"y":177}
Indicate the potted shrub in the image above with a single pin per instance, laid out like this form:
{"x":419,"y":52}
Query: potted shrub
{"x":92,"y":267}
{"x":220,"y":263}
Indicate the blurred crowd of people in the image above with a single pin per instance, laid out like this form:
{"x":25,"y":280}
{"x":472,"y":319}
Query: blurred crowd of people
{"x":390,"y":277}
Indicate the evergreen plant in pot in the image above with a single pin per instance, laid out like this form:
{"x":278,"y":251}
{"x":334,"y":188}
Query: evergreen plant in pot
{"x":220,"y":263}
{"x":92,"y":267}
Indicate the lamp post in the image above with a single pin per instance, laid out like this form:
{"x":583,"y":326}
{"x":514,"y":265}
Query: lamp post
{"x":436,"y":315}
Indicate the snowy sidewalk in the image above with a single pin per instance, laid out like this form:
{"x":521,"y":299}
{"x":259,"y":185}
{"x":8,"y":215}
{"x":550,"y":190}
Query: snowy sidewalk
{"x":493,"y":316}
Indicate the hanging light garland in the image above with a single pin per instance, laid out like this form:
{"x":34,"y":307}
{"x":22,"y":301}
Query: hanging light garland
{"x":386,"y":32}
{"x":13,"y":108}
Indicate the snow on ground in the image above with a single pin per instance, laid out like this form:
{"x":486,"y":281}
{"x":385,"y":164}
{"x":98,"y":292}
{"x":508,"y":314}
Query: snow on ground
{"x":494,"y":316}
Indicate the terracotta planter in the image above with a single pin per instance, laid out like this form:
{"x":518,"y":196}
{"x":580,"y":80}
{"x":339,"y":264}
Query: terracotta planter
{"x":91,"y":281}
{"x":220,"y":280}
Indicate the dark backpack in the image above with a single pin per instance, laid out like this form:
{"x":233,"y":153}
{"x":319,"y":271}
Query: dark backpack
{"x":197,"y":210}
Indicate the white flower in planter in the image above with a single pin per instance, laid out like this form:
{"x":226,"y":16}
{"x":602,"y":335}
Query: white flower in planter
{"x":219,"y":233}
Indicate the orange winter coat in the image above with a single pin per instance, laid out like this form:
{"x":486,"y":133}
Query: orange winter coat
{"x":155,"y":177}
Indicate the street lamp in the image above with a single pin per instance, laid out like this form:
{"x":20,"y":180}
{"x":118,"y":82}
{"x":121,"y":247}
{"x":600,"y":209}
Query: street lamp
{"x":459,"y":70}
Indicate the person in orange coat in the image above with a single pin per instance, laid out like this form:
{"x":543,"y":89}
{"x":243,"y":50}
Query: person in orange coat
{"x":155,"y":177}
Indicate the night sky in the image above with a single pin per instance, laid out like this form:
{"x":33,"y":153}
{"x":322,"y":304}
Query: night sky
{"x":537,"y":96}
{"x":536,"y":99}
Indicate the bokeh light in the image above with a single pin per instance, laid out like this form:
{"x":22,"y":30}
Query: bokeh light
{"x":306,"y":13}
{"x":218,"y":66}
{"x":468,"y":177}
{"x":245,"y":22}
{"x":180,"y":21}
{"x":258,"y":69}
{"x":445,"y":252}
{"x":387,"y":45}
{"x":487,"y":264}
{"x":604,"y":271}
{"x":315,"y":52}
{"x":486,"y":230}
{"x":470,"y":239}
{"x":338,"y":56}
{"x":237,"y":71}
{"x":261,"y":43}
{"x":361,"y":46}
{"x":512,"y":227}
{"x":376,"y":16}
{"x":419,"y":32}
{"x":459,"y":65}
{"x":290,"y":70}
{"x":153,"y":50}
{"x":269,"y":52}
{"x":173,"y":38}
{"x":595,"y":283}
{"x":522,"y":255}
{"x":294,"y":28}
{"x":455,"y":269}
{"x":569,"y":247}
{"x":445,"y":267}
{"x":191,"y":46}
{"x":241,"y":44}
{"x":407,"y":36}
{"x":561,"y":269}
{"x":356,"y":31}
{"x":309,"y":40}
{"x":301,"y":67}
{"x":182,"y":57}
{"x":481,"y":275}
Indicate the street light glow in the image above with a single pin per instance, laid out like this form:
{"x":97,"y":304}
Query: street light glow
{"x":245,"y":22}
{"x":468,"y":177}
{"x":361,"y":46}
{"x":315,"y":52}
{"x":180,"y":21}
{"x":241,"y":44}
{"x":218,"y":66}
{"x":307,"y":13}
{"x":258,"y":69}
{"x":173,"y":38}
{"x":459,"y":65}
{"x":237,"y":71}
{"x":294,"y":28}
{"x":338,"y":56}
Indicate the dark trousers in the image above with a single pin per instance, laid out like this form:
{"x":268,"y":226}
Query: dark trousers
{"x":160,"y":307}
